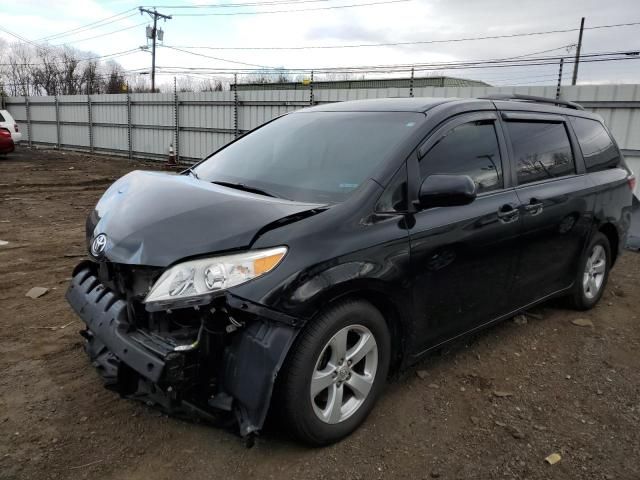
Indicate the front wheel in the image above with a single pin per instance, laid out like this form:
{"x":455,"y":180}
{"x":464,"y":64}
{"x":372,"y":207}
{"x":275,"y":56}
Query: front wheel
{"x":593,"y":273}
{"x":335,"y":372}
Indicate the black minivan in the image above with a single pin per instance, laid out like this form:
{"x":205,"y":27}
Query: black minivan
{"x":299,"y":266}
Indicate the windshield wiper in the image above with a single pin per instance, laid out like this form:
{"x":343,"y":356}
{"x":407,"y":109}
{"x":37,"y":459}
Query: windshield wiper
{"x":247,"y":188}
{"x":192,"y":172}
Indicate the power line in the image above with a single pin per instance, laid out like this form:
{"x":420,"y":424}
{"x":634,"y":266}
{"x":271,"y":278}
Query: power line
{"x":281,"y":68}
{"x":515,"y":61}
{"x":553,"y":76}
{"x":237,"y":5}
{"x":419,"y":42}
{"x":539,"y":52}
{"x":21,"y":38}
{"x":46,"y":47}
{"x":550,"y":82}
{"x":546,"y":60}
{"x":217,"y":58}
{"x":101,"y":35}
{"x":552,"y":62}
{"x":417,"y":67}
{"x":501,"y":76}
{"x":89,"y":26}
{"x":353,"y":5}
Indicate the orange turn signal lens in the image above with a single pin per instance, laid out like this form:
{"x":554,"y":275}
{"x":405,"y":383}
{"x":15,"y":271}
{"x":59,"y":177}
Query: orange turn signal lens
{"x":265,"y":264}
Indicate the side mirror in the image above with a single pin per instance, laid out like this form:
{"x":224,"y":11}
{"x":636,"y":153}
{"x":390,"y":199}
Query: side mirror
{"x":446,"y":191}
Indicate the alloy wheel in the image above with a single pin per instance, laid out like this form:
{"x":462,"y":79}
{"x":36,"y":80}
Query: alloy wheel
{"x":594,"y":272}
{"x":344,"y":374}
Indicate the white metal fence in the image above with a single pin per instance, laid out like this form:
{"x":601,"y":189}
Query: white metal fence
{"x":143,"y":125}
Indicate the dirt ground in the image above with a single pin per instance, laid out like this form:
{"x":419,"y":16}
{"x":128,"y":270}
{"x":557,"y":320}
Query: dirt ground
{"x":493,"y":406}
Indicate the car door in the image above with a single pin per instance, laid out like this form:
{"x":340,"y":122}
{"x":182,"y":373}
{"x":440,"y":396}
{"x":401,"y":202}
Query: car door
{"x":556,"y":199}
{"x":463,"y":257}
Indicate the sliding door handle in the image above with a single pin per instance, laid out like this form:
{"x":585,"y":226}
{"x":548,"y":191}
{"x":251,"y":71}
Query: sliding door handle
{"x":534,"y":208}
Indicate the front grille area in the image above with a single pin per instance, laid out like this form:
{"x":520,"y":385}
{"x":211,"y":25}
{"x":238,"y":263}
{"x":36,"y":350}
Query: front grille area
{"x":131,"y":283}
{"x":128,"y":280}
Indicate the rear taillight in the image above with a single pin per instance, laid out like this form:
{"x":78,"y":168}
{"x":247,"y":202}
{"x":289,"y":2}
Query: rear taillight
{"x":632,"y":182}
{"x":15,"y":126}
{"x":5,"y":133}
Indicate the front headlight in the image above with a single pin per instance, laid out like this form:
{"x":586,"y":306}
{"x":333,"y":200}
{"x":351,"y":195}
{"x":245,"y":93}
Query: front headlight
{"x":196,"y":282}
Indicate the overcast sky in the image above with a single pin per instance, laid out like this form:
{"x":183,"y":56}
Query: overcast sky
{"x":406,"y":21}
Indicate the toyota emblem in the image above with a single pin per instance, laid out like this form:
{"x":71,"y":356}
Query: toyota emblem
{"x":98,"y":245}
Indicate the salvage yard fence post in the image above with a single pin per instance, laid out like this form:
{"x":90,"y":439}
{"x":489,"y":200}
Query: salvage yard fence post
{"x":129,"y":139}
{"x":28,"y":113}
{"x":235,"y":105}
{"x":559,"y":78}
{"x":90,"y":122}
{"x":176,"y":106}
{"x":411,"y":83}
{"x":311,"y":89}
{"x":57,"y":106}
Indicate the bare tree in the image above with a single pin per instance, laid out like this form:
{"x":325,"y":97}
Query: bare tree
{"x":278,"y":75}
{"x":27,"y":69}
{"x":140,"y":84}
{"x":45,"y":75}
{"x":4,"y":61}
{"x":210,"y":85}
{"x":89,"y":81}
{"x":185,"y":84}
{"x":115,"y":81}
{"x":70,"y":70}
{"x":20,"y":60}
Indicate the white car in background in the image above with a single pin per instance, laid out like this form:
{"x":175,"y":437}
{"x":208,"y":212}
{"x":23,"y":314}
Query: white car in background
{"x":7,"y":121}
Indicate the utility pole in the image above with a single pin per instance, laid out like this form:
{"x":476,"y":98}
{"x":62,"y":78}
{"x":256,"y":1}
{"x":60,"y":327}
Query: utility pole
{"x":575,"y":65}
{"x":154,"y":34}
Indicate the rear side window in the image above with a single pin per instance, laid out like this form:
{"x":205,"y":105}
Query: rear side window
{"x":541,"y":150}
{"x":469,"y":149}
{"x":1,"y":118}
{"x":598,"y":150}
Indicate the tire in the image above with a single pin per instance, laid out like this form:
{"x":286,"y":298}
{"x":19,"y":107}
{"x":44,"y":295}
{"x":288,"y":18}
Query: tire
{"x":317,"y":352}
{"x":592,"y":275}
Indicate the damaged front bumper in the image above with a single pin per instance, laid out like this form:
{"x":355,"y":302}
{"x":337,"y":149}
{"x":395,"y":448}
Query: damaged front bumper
{"x":231,"y":366}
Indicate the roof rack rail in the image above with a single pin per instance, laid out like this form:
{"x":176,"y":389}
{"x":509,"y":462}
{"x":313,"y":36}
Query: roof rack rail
{"x":532,"y":98}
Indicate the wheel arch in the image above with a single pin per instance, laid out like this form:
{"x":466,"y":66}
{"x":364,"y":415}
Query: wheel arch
{"x":611,"y":232}
{"x":394,"y":312}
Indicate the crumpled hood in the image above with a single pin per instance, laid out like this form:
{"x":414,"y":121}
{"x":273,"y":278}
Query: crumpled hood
{"x":155,"y":219}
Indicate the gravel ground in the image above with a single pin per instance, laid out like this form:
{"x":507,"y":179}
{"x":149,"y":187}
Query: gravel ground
{"x":493,"y":406}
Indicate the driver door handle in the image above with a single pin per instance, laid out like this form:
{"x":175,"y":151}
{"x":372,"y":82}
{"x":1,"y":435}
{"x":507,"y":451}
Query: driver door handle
{"x":508,"y":213}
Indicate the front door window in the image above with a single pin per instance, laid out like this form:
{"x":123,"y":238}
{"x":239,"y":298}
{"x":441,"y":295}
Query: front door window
{"x":468,"y":149}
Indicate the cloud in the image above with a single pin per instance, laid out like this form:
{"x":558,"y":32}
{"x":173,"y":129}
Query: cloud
{"x":416,"y":20}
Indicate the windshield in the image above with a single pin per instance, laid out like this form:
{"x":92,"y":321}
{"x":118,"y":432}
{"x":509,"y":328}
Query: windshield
{"x":318,"y":157}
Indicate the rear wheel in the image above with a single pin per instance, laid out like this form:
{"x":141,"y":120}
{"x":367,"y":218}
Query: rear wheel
{"x":593,"y":273}
{"x":335,"y":372}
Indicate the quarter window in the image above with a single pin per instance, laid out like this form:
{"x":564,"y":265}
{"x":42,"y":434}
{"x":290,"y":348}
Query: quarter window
{"x":469,"y":149}
{"x":541,"y":150}
{"x":598,"y":150}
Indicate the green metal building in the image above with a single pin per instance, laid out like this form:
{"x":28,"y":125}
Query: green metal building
{"x":372,"y":83}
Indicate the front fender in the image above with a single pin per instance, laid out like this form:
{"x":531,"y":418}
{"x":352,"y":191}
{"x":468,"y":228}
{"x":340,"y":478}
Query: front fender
{"x":250,"y":367}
